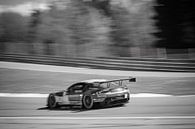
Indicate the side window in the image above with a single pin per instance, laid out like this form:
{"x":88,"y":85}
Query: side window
{"x":93,"y":87}
{"x":76,"y":89}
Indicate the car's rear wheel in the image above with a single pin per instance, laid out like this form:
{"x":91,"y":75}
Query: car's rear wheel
{"x":52,"y":101}
{"x":87,"y":101}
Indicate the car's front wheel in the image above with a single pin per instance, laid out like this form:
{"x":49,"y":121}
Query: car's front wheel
{"x":87,"y":101}
{"x":51,"y":101}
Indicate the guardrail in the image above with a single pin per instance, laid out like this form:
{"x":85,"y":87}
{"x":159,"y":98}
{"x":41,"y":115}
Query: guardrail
{"x":140,"y":64}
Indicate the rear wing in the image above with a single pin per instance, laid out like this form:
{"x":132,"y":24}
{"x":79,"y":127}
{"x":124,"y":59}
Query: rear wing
{"x":119,"y":81}
{"x":131,"y":79}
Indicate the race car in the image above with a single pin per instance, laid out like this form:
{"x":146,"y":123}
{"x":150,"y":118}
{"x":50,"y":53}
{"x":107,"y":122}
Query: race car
{"x":92,"y":92}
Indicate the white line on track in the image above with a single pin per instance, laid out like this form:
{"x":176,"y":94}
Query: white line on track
{"x":97,"y":118}
{"x":23,"y":95}
{"x":37,"y":95}
{"x":52,"y":68}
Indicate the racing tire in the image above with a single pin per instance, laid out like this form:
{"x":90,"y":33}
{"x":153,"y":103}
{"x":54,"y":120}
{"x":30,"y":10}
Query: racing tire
{"x":52,"y":101}
{"x":87,"y":102}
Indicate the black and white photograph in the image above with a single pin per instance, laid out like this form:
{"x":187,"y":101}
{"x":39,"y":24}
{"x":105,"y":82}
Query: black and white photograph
{"x":97,"y":64}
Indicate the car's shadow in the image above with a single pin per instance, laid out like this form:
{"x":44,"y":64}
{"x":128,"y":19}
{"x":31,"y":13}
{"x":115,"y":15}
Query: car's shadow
{"x":76,"y":109}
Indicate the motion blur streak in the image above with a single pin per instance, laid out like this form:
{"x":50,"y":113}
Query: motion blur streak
{"x":36,"y":95}
{"x":99,"y":118}
{"x":50,"y":68}
{"x":147,"y":113}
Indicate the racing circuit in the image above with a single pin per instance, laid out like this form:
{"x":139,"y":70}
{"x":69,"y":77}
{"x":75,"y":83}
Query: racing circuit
{"x":159,"y":99}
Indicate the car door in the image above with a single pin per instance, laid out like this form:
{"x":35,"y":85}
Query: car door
{"x":75,"y":92}
{"x":65,"y":98}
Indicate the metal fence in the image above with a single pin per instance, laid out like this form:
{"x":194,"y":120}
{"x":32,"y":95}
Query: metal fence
{"x":94,"y":50}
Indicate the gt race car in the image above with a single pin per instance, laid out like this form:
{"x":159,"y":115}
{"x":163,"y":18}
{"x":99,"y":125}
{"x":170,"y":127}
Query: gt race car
{"x":88,"y":93}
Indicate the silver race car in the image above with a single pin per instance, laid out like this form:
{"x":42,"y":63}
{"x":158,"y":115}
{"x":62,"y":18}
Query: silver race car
{"x":92,"y":92}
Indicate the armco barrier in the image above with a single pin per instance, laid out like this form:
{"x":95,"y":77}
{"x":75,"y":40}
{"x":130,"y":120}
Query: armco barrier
{"x":141,"y":64}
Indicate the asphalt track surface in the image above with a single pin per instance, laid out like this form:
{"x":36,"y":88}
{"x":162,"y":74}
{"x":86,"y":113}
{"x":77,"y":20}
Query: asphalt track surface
{"x":169,"y":112}
{"x":147,"y":113}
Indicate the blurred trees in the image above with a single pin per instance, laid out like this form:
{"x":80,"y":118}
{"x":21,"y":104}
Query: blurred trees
{"x":33,"y":24}
{"x":66,"y":23}
{"x":52,"y":28}
{"x":116,"y":25}
{"x":77,"y":23}
{"x":13,"y":27}
{"x":87,"y":25}
{"x":131,"y":23}
{"x":175,"y":21}
{"x":32,"y":35}
{"x":74,"y":24}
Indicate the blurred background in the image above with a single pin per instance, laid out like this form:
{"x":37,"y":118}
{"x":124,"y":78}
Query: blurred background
{"x":98,"y":28}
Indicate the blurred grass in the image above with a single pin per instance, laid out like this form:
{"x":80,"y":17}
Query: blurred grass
{"x":24,"y":81}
